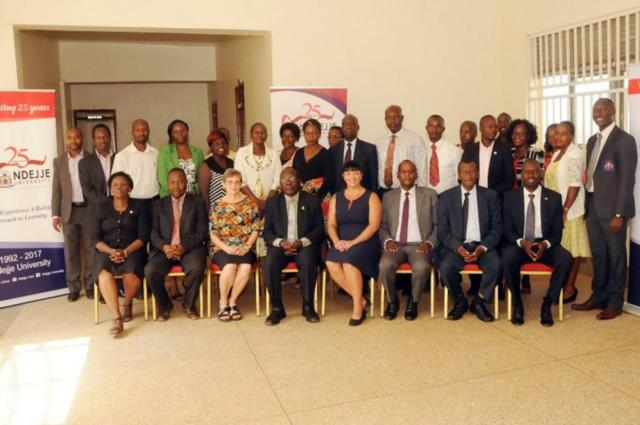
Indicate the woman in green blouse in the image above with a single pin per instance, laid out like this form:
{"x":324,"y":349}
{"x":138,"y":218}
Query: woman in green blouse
{"x":179,"y":153}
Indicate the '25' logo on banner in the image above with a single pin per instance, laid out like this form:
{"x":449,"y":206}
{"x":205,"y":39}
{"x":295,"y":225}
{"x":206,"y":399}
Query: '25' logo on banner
{"x":19,"y":158}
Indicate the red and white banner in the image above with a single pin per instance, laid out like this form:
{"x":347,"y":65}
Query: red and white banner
{"x":298,"y":104}
{"x":31,"y":252}
{"x":633,"y":298}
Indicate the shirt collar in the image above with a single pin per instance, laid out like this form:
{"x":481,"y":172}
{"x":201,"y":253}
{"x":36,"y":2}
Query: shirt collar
{"x":607,"y":131}
{"x":107,"y":156}
{"x":537,"y":192}
{"x":293,"y":198}
{"x":180,"y":199}
{"x":471,"y":192}
{"x":411,"y":191}
{"x":77,"y":157}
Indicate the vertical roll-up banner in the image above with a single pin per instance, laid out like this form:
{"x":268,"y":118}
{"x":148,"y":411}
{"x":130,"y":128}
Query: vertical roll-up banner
{"x":31,"y":252}
{"x":633,"y":298}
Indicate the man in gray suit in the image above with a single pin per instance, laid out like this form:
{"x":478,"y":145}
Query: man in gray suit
{"x":69,"y":212}
{"x":408,"y":233}
{"x":611,"y":159}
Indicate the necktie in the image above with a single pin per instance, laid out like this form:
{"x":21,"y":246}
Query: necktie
{"x":175,"y":233}
{"x":434,"y":167}
{"x":388,"y":162}
{"x":404,"y":224}
{"x":347,"y":156}
{"x":292,"y":222}
{"x":465,"y":216}
{"x":530,"y":221}
{"x":593,"y":161}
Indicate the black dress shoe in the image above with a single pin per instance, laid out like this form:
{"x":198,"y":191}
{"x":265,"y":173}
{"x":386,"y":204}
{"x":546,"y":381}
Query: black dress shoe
{"x":517,"y":318}
{"x":275,"y":317}
{"x":310,"y":315}
{"x":358,"y":322}
{"x":411,"y":311}
{"x":391,"y":311}
{"x":89,"y":293}
{"x":546,"y":318}
{"x":479,"y":308}
{"x":571,"y":298}
{"x":458,"y":310}
{"x":73,"y":296}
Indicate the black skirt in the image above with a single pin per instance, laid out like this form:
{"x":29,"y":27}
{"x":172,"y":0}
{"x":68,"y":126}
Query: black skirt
{"x":133,"y":264}
{"x":221,"y":258}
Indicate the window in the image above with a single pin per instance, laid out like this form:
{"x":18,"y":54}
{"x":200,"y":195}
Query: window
{"x":570,"y":68}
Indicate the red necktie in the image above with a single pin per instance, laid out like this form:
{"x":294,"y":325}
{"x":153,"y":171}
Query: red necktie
{"x":434,"y":168}
{"x":404,"y":224}
{"x":347,"y":156}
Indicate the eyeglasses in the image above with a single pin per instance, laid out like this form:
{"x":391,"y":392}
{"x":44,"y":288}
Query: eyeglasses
{"x":288,"y":179}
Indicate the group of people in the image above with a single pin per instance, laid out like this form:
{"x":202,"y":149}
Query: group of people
{"x":361,"y":208}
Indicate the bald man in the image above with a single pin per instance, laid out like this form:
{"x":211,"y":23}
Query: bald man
{"x":69,"y":212}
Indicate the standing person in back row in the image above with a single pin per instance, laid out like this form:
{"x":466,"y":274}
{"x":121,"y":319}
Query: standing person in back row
{"x":610,"y":178}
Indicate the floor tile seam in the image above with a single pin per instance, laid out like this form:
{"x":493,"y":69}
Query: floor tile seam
{"x":264,"y":373}
{"x":620,"y":347}
{"x":257,"y":418}
{"x":534,"y":347}
{"x":595,"y":378}
{"x":428,"y":387}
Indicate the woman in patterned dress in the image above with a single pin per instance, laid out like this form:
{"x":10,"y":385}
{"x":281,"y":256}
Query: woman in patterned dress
{"x":213,"y":167}
{"x":234,"y":230}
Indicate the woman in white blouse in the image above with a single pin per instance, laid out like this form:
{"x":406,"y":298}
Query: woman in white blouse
{"x":564,"y":175}
{"x":260,"y":168}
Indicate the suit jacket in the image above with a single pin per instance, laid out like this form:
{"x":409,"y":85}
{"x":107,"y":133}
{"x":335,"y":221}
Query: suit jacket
{"x":366,"y":155}
{"x":427,"y":210}
{"x":194,"y":222}
{"x":501,"y":177}
{"x":94,"y":185}
{"x":310,"y":221}
{"x":450,"y":218}
{"x":62,"y":190}
{"x":614,"y":176}
{"x":551,"y":216}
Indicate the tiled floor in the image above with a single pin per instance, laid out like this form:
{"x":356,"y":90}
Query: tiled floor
{"x":59,"y":367}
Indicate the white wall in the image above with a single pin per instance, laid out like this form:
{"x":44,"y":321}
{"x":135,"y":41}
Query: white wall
{"x":87,"y":61}
{"x":158,"y":103}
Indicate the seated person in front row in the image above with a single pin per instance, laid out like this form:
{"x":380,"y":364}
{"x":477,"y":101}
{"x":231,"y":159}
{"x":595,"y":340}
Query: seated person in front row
{"x":234,"y":230}
{"x":120,"y":231}
{"x":532,"y":233}
{"x":178,"y":237}
{"x":408,"y":233}
{"x":469,"y":229}
{"x":293,"y":231}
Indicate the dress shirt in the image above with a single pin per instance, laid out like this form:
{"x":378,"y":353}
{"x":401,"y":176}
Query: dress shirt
{"x":75,"y":177}
{"x":141,"y":166}
{"x":605,"y":136}
{"x":448,"y":158}
{"x":473,"y":222}
{"x":408,"y":146}
{"x":484,"y":157}
{"x":538,"y":222}
{"x":105,"y":161}
{"x":259,"y":173}
{"x":177,"y":202}
{"x":413,"y":229}
{"x":292,"y":221}
{"x":353,"y":142}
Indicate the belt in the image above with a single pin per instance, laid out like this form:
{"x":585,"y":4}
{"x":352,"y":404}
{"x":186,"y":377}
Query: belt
{"x":78,"y":204}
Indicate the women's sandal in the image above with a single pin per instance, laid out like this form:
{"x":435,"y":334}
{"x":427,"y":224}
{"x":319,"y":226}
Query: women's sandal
{"x":128,"y":312}
{"x":224,"y":314}
{"x":235,"y":313}
{"x":118,"y":326}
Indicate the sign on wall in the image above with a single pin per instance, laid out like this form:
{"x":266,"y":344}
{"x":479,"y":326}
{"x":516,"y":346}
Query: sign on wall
{"x":298,"y":104}
{"x":31,"y":252}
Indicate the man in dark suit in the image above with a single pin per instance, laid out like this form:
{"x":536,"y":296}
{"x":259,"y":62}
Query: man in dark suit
{"x":69,"y":214}
{"x":178,"y":236}
{"x":293,"y":231}
{"x":611,"y":159}
{"x":469,"y":229}
{"x":408,"y":233}
{"x":352,"y":148}
{"x":532,"y":233}
{"x":95,"y":168}
{"x":495,"y":165}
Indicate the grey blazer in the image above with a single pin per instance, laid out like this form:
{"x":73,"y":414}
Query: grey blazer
{"x":614,"y":176}
{"x":62,"y":191}
{"x":427,"y":208}
{"x":94,"y":185}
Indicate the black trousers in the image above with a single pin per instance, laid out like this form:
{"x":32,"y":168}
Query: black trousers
{"x":609,"y":253}
{"x":451,"y":263}
{"x":307,"y":262}
{"x":513,"y":257}
{"x":193,"y":264}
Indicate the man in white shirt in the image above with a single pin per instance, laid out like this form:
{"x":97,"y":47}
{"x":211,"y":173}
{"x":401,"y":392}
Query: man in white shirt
{"x":139,"y":160}
{"x":69,"y":212}
{"x":396,"y":145}
{"x":442,"y":157}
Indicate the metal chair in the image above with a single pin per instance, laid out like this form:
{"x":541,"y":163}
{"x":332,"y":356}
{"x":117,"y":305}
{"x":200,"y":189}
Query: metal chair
{"x":96,"y":298}
{"x":291,"y":267}
{"x":470,"y":269}
{"x":405,"y":268}
{"x":537,"y":269}
{"x":176,"y":271}
{"x":215,"y":270}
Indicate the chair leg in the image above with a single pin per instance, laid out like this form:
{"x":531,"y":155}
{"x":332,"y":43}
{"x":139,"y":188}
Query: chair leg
{"x":324,"y":291}
{"x":446,"y":302}
{"x":432,"y":294}
{"x":496,"y":307}
{"x":372,"y":294}
{"x":145,"y":299}
{"x":209,"y":294}
{"x":257,"y":278}
{"x":560,"y":305}
{"x":154,"y":307}
{"x":315,"y":293}
{"x":96,"y":305}
{"x":267,"y":301}
{"x":508,"y":304}
{"x":381,"y":300}
{"x":201,"y":300}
